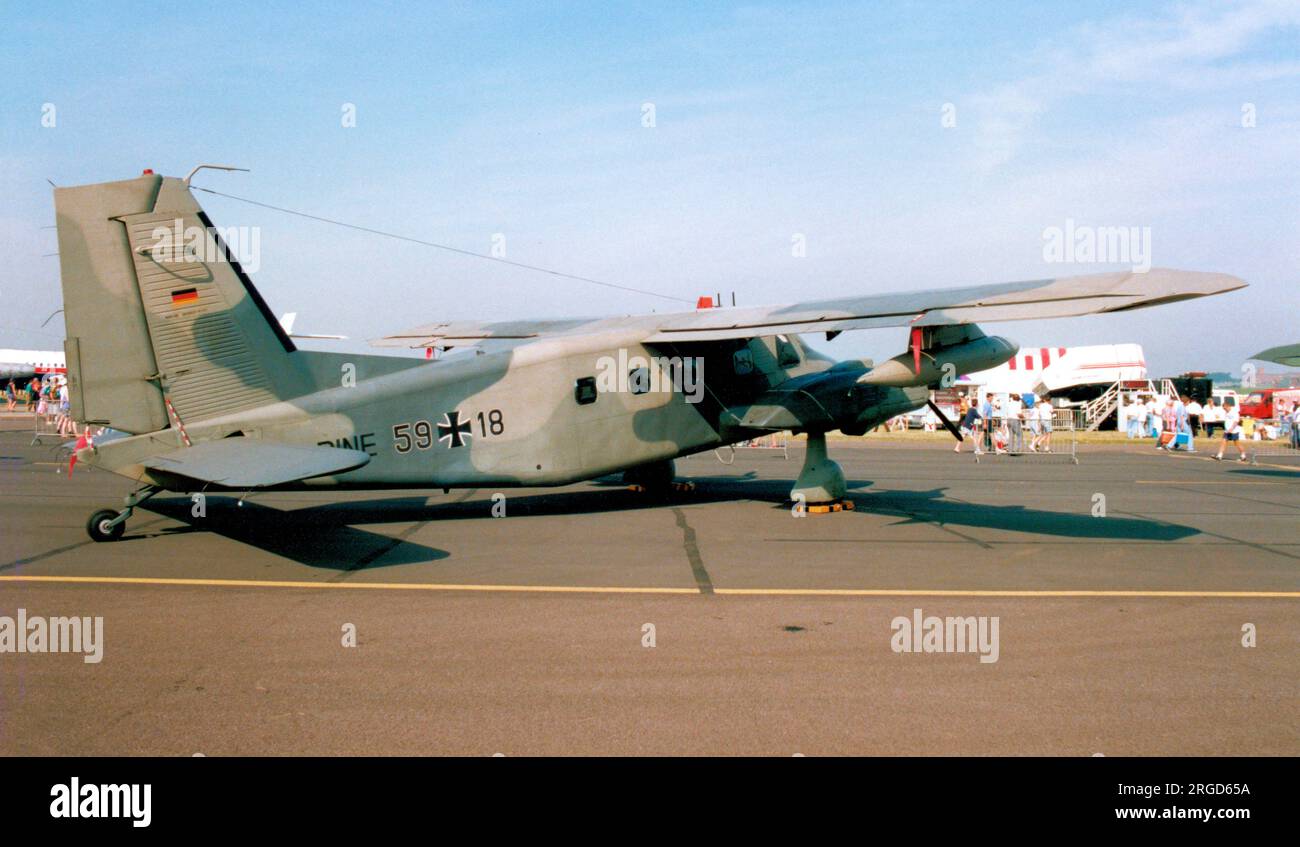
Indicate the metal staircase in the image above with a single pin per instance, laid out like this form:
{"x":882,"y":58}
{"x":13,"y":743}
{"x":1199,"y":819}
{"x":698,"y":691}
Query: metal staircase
{"x":1095,"y":412}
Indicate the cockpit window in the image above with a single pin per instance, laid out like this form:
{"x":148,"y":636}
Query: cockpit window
{"x":787,"y":354}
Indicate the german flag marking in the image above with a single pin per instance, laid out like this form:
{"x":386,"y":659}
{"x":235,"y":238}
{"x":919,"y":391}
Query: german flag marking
{"x":185,"y":296}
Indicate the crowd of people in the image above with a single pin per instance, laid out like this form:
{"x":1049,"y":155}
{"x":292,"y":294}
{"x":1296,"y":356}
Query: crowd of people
{"x":46,"y":398}
{"x":1022,"y":423}
{"x":1174,"y":423}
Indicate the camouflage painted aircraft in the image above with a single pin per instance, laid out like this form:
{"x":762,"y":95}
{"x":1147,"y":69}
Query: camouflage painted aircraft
{"x":169,"y":343}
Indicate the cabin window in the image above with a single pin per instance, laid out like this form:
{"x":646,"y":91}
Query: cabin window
{"x":584,"y":390}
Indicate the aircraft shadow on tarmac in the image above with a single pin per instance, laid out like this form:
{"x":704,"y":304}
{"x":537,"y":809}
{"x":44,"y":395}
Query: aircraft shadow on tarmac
{"x":931,"y":507}
{"x":1293,"y":475}
{"x":305,"y":536}
{"x":324,"y":536}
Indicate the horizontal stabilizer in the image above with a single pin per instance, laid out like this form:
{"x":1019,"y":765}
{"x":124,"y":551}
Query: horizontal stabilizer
{"x":248,"y":463}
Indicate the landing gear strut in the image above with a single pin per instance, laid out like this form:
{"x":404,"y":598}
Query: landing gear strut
{"x":108,"y":525}
{"x":820,"y":480}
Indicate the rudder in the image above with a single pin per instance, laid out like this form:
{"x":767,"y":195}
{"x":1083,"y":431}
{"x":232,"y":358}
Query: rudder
{"x":156,"y":308}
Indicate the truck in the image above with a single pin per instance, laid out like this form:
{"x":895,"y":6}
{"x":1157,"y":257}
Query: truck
{"x":1265,"y":403}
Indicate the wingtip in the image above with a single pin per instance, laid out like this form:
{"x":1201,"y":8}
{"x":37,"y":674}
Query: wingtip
{"x":1285,"y":354}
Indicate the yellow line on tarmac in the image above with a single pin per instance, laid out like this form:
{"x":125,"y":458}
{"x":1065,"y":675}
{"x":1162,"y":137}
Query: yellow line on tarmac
{"x":602,"y":589}
{"x":393,"y":586}
{"x":1229,"y":460}
{"x":1010,"y":593}
{"x":1208,"y":482}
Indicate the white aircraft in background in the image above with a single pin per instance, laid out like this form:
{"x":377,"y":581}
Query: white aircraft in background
{"x":287,"y":321}
{"x":1076,"y":373}
{"x":25,"y":364}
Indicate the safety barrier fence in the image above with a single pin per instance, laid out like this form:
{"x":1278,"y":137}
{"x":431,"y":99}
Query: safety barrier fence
{"x":1273,"y":437}
{"x":779,"y":441}
{"x":1031,"y":439}
{"x":45,"y":425}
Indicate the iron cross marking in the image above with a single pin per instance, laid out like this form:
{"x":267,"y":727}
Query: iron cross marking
{"x":454,"y":431}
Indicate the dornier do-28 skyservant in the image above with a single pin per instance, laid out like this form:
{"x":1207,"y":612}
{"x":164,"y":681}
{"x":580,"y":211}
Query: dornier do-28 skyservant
{"x":169,"y":342}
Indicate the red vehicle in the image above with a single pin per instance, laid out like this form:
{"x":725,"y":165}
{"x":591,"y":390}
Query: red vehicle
{"x":1263,"y":404}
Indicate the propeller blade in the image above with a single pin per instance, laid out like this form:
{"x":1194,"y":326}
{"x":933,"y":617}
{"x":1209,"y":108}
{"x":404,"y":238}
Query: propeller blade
{"x":948,"y":425}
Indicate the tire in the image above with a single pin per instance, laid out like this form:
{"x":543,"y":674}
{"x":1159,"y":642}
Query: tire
{"x":97,"y":532}
{"x":656,"y":477}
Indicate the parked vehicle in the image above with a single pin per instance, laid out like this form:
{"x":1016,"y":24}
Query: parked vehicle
{"x":1262,"y":404}
{"x":1222,"y":394}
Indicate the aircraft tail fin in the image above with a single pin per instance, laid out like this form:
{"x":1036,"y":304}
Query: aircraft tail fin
{"x":158,"y":310}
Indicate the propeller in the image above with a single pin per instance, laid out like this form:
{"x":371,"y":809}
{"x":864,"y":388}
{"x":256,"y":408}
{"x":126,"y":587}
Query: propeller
{"x":947,"y":424}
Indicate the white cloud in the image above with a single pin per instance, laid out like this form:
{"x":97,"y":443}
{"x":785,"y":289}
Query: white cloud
{"x":1197,"y":47}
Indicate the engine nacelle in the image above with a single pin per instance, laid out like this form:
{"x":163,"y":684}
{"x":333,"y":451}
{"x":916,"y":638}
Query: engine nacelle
{"x":945,"y":353}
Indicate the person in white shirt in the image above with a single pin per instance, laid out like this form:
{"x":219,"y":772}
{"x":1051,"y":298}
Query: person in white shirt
{"x":1032,"y":431}
{"x":1134,"y":412}
{"x":1211,"y":416}
{"x":1043,"y":433}
{"x":1231,"y":431}
{"x":65,"y":422}
{"x":1194,"y":412}
{"x":1013,"y":411}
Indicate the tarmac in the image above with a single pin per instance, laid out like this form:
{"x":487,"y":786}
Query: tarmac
{"x":597,"y":620}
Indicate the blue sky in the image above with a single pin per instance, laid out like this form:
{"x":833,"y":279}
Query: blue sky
{"x":822,"y":120}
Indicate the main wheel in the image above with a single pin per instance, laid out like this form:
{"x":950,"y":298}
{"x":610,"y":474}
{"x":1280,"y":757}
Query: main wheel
{"x":656,"y":477}
{"x":98,"y":527}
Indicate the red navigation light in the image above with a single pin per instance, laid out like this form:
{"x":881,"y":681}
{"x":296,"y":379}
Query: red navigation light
{"x":705,"y":302}
{"x":147,"y":172}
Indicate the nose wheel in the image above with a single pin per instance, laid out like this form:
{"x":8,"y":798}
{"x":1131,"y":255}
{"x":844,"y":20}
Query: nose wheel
{"x":821,"y":482}
{"x":108,"y":524}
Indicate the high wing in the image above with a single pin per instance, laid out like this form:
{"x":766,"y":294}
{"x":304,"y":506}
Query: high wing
{"x":247,"y":463}
{"x":1010,"y":301}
